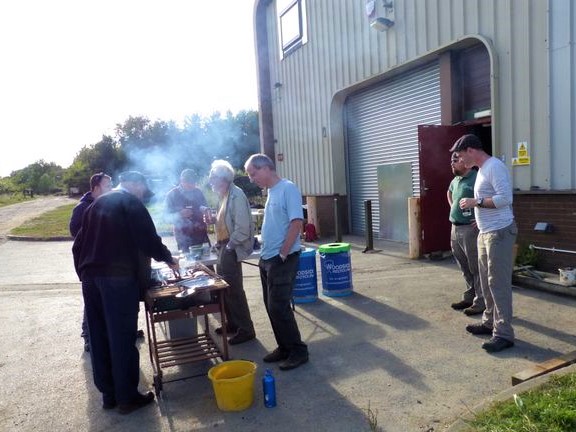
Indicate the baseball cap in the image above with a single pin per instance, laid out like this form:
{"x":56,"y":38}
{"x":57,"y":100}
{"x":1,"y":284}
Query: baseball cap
{"x":466,"y":141}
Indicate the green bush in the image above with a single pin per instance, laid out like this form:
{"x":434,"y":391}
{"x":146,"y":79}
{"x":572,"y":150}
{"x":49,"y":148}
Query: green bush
{"x":527,"y":256}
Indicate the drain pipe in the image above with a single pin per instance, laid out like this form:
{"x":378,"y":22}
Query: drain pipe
{"x":552,"y":249}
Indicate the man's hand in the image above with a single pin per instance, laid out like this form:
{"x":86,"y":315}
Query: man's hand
{"x":467,"y":203}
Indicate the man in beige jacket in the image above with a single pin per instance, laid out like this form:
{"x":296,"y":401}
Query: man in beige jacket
{"x":235,"y":240}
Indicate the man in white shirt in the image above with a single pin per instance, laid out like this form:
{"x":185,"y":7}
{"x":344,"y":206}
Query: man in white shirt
{"x":492,"y":204}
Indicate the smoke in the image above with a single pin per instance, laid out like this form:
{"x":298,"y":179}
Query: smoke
{"x":161,"y":150}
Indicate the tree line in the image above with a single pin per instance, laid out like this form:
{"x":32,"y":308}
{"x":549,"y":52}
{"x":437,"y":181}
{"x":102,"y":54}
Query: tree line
{"x":159,"y":149}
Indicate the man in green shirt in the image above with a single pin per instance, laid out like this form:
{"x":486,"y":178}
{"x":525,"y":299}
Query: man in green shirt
{"x":463,"y":236}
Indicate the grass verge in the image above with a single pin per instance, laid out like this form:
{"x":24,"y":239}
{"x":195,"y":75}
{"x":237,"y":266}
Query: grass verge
{"x":547,"y":408}
{"x":7,"y":199}
{"x":53,"y":223}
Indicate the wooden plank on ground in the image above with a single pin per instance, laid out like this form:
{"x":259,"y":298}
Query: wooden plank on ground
{"x":544,"y":367}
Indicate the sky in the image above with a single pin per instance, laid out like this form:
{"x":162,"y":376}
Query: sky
{"x":70,"y":70}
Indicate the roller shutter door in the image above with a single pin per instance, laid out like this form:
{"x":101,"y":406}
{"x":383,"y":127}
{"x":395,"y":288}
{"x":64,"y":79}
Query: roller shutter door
{"x":381,"y":129}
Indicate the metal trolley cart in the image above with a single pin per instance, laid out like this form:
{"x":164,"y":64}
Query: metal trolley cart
{"x":200,"y":292}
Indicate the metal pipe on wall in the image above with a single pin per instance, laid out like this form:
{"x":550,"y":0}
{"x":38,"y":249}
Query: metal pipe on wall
{"x":552,"y":249}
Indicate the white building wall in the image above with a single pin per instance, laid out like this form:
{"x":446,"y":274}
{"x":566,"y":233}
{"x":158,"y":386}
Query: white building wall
{"x":562,"y":96}
{"x":531,"y":81}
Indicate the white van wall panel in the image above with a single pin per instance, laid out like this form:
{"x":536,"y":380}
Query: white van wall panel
{"x":343,"y":51}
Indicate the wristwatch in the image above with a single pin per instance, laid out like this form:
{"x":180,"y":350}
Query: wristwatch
{"x":480,"y":201}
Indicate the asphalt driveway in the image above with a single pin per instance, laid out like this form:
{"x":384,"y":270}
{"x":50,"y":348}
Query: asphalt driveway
{"x":394,"y":349}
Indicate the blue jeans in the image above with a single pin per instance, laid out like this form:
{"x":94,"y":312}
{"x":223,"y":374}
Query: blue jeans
{"x":277,"y":279}
{"x":111,"y":306}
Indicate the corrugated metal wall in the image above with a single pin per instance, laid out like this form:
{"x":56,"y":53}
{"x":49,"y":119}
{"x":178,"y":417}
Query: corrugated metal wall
{"x":343,"y":52}
{"x":382,"y":129}
{"x":563,"y":94}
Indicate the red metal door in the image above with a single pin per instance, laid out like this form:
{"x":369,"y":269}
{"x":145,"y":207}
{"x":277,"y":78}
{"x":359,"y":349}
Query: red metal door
{"x":435,"y":176}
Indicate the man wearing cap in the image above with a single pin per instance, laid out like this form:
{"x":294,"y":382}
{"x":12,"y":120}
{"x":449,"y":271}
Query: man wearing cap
{"x":185,"y":206}
{"x":492,"y":203}
{"x":112,"y":258}
{"x":464,"y":236}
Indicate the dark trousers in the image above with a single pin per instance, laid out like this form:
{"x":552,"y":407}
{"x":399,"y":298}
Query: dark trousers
{"x":237,"y":311}
{"x":111,"y":305}
{"x":85,"y":333}
{"x":277,"y":284}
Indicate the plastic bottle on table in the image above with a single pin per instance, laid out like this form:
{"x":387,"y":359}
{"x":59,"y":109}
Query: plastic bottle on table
{"x":184,"y":264}
{"x":269,"y":389}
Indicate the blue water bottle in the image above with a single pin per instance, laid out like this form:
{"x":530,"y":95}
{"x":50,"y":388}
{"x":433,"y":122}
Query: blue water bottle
{"x":269,"y":388}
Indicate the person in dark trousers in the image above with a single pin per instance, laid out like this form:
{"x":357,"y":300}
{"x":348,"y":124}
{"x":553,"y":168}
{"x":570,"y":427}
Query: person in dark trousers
{"x":464,"y":235}
{"x":185,"y":207}
{"x":100,"y":183}
{"x":279,"y":258}
{"x":492,"y":204}
{"x":112,"y":254}
{"x":235,"y":242}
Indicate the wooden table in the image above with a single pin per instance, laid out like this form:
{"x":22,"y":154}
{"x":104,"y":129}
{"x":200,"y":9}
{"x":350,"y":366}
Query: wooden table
{"x":162,"y":306}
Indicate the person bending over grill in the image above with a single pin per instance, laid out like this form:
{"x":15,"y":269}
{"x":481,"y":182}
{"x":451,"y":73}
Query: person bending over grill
{"x":112,"y":254}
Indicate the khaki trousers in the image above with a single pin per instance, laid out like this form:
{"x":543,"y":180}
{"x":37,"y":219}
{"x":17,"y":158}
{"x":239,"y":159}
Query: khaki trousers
{"x":495,"y":266}
{"x":464,"y":244}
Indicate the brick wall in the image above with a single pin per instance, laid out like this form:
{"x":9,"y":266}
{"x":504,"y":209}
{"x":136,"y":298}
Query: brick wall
{"x":558,"y":209}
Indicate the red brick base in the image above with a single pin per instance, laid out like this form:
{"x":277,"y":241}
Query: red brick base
{"x":557,"y":209}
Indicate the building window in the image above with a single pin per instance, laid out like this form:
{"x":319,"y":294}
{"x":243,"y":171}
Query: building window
{"x":291,"y":25}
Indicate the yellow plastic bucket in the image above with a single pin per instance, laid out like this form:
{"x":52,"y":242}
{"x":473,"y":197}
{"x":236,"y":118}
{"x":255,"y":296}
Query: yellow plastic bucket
{"x":233,"y":383}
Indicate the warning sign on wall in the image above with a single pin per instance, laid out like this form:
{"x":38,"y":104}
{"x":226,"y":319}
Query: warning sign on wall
{"x":522,"y":156}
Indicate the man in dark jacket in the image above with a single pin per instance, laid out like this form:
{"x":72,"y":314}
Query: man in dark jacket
{"x":100,"y":183}
{"x":117,"y":232}
{"x":185,"y":207}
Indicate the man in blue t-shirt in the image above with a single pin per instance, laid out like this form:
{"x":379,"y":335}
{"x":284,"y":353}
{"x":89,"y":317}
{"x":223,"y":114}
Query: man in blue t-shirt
{"x":464,"y":235}
{"x":279,"y":259}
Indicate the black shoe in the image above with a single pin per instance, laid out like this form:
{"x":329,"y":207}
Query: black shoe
{"x":478,"y":329}
{"x":293,"y":361}
{"x":229,"y":330}
{"x":140,"y":334}
{"x":141,"y":401}
{"x":241,"y":337}
{"x":275,"y":356}
{"x":473,"y":310}
{"x":108,"y":403}
{"x":461,"y":305}
{"x":497,"y":344}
